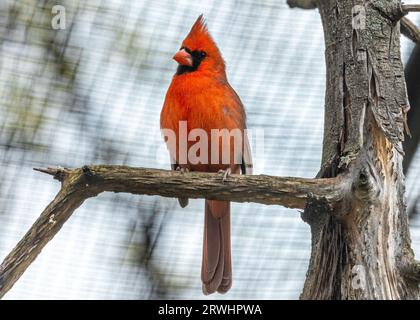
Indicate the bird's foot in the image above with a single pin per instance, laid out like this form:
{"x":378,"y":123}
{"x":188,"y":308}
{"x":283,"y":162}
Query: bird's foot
{"x":182,"y":170}
{"x":226,"y":173}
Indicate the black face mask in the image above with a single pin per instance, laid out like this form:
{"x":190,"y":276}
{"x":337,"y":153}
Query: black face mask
{"x":197,"y":56}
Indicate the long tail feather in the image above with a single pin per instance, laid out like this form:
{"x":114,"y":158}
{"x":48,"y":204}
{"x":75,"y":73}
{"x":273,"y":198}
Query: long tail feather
{"x":216,"y":269}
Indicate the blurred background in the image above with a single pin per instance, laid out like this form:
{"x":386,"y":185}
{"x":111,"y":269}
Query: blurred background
{"x":92,"y":93}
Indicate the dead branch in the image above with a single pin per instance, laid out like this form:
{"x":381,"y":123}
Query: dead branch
{"x":410,"y":30}
{"x":412,"y":271}
{"x":410,"y":8}
{"x":83,"y":183}
{"x":302,"y":4}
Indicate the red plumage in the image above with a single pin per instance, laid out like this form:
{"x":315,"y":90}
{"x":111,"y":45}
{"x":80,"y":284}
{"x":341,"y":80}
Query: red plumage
{"x":201,"y":95}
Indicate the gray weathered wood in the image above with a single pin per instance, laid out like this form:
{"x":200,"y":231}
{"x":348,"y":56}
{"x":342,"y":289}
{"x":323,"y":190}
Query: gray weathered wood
{"x":302,"y":4}
{"x":410,"y":8}
{"x":81,"y":184}
{"x":410,"y":30}
{"x":365,"y":109}
{"x":355,"y":207}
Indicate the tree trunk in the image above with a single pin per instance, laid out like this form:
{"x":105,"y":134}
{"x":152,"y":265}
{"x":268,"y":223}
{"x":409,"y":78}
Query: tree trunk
{"x":356,"y":208}
{"x":361,"y":249}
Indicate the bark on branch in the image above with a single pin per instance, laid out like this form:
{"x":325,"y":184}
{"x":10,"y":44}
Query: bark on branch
{"x":410,"y":30}
{"x":83,"y":183}
{"x":410,"y":8}
{"x":412,"y":272}
{"x":302,"y":4}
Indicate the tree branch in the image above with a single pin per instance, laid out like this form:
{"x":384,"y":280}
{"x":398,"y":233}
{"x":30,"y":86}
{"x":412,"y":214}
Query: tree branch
{"x":302,"y":4}
{"x":416,"y":271}
{"x":285,"y":191}
{"x":412,"y":78}
{"x":410,"y":30}
{"x":81,"y":184}
{"x":412,"y":272}
{"x":410,"y":8}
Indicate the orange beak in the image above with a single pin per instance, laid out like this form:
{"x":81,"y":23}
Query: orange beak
{"x":183,"y":58}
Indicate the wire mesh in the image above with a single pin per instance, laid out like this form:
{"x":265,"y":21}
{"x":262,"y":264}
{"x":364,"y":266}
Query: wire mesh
{"x":92,"y":93}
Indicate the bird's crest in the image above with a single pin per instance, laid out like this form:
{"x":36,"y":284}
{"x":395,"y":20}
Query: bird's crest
{"x":199,"y":39}
{"x":200,"y":25}
{"x":199,"y":36}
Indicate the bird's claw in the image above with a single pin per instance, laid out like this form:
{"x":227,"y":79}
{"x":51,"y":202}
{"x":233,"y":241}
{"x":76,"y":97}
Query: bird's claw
{"x":182,"y":170}
{"x":226,"y":173}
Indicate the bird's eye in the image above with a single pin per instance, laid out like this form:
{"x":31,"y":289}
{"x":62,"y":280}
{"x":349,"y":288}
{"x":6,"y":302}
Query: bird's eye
{"x":202,"y":54}
{"x":186,"y":49}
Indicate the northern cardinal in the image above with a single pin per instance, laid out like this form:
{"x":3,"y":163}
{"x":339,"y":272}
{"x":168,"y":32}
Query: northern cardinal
{"x":201,"y":95}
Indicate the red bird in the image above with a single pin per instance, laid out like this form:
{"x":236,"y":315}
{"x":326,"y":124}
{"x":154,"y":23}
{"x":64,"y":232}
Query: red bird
{"x":201,"y":95}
